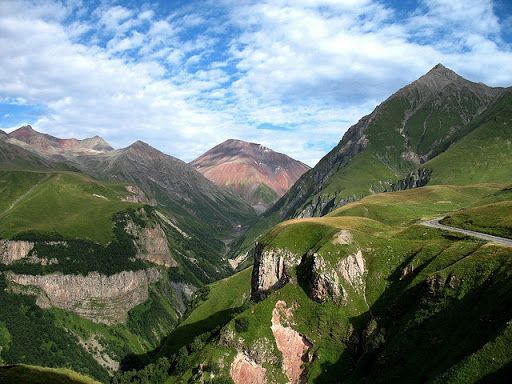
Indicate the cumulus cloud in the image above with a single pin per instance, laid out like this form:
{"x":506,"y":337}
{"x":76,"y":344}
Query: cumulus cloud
{"x":292,"y":75}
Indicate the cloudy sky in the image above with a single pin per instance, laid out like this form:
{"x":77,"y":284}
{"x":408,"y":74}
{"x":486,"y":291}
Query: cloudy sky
{"x":184,"y":76}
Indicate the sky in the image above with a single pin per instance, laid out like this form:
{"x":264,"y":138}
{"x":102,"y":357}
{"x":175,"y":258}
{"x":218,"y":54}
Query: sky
{"x":184,"y":76}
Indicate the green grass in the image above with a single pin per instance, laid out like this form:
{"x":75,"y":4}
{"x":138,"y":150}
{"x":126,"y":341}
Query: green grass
{"x":224,"y":299}
{"x":444,"y":321}
{"x":61,"y":202}
{"x":481,"y":156}
{"x":29,"y":374}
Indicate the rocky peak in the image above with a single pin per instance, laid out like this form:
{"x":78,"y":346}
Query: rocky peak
{"x":3,"y":135}
{"x":439,"y":77}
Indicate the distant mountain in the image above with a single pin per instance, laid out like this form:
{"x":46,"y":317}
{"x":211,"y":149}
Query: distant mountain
{"x":52,"y":145}
{"x":255,"y":172}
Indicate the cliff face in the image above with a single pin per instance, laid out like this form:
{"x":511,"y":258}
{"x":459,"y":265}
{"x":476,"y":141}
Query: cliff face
{"x":100,"y":298}
{"x":150,"y":240}
{"x":272,"y":269}
{"x":11,"y":250}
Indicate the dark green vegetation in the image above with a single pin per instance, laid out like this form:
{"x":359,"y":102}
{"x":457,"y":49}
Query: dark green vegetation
{"x":27,"y":374}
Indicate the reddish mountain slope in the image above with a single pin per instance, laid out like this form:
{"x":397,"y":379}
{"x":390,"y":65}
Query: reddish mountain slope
{"x":48,"y":144}
{"x":251,"y":170}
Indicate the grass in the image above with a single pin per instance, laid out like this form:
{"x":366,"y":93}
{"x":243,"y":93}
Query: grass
{"x":491,"y":214}
{"x":446,"y":320}
{"x":29,"y":374}
{"x":481,"y":156}
{"x":225,"y":297}
{"x":71,"y":204}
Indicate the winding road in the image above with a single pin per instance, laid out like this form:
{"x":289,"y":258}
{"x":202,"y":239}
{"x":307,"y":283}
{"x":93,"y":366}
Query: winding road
{"x":434,"y":223}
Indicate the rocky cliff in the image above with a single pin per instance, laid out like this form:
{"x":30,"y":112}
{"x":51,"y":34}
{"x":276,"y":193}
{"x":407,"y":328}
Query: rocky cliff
{"x":272,"y":269}
{"x":11,"y":250}
{"x":100,"y":298}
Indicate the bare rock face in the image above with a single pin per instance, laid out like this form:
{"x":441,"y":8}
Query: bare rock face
{"x":325,"y":282}
{"x":352,"y":269}
{"x":151,"y":242}
{"x":294,"y":347}
{"x":137,"y":195}
{"x":12,"y":250}
{"x":271,"y":269}
{"x":244,"y":370}
{"x":100,"y":298}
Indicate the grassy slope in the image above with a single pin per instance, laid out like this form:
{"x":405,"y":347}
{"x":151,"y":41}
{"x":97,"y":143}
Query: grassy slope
{"x":224,"y":299}
{"x":481,"y":156}
{"x":58,"y":202}
{"x":492,"y":214}
{"x":456,"y":333}
{"x":29,"y":374}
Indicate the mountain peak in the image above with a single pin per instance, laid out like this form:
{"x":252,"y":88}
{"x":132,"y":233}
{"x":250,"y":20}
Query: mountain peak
{"x":253,"y":171}
{"x":42,"y":142}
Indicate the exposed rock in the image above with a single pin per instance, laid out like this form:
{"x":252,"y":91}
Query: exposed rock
{"x":343,"y":237}
{"x":151,"y":242}
{"x":234,"y":263}
{"x":244,"y":370}
{"x":97,"y":350}
{"x":294,"y":347}
{"x":100,"y":298}
{"x":323,"y":204}
{"x":183,"y":293}
{"x":415,"y":179}
{"x":169,"y":222}
{"x":137,"y":195}
{"x":352,"y":270}
{"x":12,"y":250}
{"x":271,"y":269}
{"x":324,"y":282}
{"x":406,"y":271}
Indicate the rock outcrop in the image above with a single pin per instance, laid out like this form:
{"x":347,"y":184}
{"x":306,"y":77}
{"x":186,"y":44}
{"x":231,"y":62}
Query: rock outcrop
{"x":294,"y":347}
{"x":12,"y":250}
{"x":352,"y":269}
{"x":100,"y":298}
{"x":244,"y":370}
{"x":151,"y":242}
{"x":325,"y":282}
{"x":271,"y":270}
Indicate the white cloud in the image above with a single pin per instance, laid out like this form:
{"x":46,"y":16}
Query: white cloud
{"x":313,"y":67}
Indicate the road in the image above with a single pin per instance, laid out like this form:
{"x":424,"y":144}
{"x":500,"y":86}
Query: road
{"x":434,"y":223}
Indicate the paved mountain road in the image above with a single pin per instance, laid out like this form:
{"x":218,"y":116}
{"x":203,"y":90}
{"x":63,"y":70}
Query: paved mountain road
{"x":434,"y":223}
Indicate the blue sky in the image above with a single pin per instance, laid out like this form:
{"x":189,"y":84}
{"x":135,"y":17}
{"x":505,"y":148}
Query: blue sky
{"x":186,"y":75}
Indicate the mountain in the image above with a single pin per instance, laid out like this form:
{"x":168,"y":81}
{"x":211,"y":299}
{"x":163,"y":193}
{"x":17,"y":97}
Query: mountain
{"x":48,"y":144}
{"x":252,"y":171}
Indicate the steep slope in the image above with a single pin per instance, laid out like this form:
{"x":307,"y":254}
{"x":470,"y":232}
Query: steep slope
{"x":48,"y":144}
{"x":483,"y":155}
{"x":411,"y":127}
{"x":211,"y":215}
{"x":254,"y":172}
{"x":367,"y":295}
{"x":15,"y":157}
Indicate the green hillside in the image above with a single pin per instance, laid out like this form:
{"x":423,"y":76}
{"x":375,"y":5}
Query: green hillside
{"x":71,"y":204}
{"x":481,"y":156}
{"x":28,"y":374}
{"x":434,"y":306}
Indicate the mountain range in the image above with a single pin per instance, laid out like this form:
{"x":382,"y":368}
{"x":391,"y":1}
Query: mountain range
{"x":129,"y":265}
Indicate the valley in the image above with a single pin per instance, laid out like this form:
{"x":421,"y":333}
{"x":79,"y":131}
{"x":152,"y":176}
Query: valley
{"x":388,"y":261}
